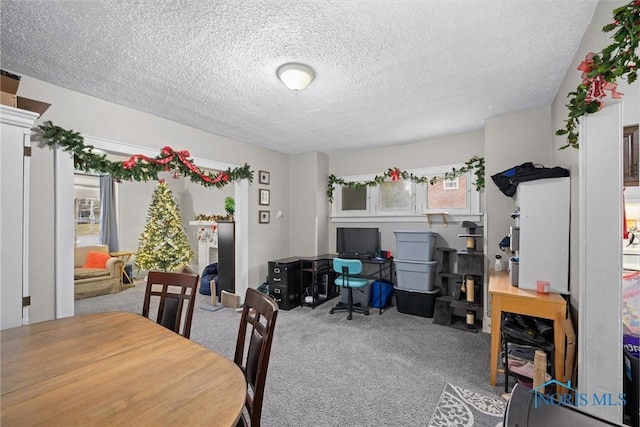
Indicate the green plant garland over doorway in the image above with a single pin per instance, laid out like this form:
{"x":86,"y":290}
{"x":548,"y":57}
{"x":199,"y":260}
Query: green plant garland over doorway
{"x":138,"y":167}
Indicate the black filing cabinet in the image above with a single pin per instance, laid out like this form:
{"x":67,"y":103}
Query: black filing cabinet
{"x":284,"y":282}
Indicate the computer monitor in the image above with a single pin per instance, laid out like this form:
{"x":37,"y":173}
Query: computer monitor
{"x":357,"y":241}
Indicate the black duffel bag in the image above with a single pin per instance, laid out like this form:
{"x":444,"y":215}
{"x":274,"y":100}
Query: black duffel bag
{"x":508,"y":180}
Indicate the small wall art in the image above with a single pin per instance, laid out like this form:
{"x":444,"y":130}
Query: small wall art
{"x":263,"y":217}
{"x":263,"y":197}
{"x":264,"y":177}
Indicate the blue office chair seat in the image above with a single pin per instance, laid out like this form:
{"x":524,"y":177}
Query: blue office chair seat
{"x":348,"y":270}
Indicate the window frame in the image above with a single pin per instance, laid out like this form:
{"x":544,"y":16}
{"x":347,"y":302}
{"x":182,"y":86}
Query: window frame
{"x":419,"y":197}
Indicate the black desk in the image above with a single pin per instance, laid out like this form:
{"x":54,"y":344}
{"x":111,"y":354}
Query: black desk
{"x":289,"y":278}
{"x":317,"y":279}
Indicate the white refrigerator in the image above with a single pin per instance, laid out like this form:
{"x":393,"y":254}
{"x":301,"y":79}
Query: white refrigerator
{"x":544,"y":233}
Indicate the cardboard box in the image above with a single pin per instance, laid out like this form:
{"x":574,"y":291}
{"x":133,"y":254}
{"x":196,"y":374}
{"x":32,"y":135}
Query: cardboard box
{"x":8,"y":88}
{"x":9,"y":99}
{"x":9,"y":84}
{"x":32,"y":105}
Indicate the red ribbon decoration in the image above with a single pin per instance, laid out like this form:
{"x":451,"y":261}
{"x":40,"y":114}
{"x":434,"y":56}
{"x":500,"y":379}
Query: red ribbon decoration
{"x":395,"y":174}
{"x":168,"y":154}
{"x":597,"y":85}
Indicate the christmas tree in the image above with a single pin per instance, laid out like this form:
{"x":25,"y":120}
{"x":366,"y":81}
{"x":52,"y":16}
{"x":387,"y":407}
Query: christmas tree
{"x":163,"y":245}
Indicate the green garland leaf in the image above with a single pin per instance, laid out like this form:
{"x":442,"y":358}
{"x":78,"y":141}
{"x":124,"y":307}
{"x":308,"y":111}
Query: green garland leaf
{"x":85,"y":159}
{"x":475,"y":164}
{"x":618,"y":60}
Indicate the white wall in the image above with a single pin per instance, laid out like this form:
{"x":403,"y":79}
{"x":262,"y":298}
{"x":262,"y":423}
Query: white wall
{"x":303,"y":177}
{"x":91,"y":116}
{"x":309,"y":207}
{"x":134,"y":199}
{"x":511,"y":140}
{"x":433,"y":152}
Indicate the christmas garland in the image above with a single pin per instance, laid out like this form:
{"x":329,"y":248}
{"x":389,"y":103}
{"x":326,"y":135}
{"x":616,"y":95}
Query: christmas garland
{"x":475,"y":164}
{"x":138,"y":167}
{"x":600,"y":71}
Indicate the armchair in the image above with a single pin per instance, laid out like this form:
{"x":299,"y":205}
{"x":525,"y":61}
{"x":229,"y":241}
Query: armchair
{"x":90,"y":281}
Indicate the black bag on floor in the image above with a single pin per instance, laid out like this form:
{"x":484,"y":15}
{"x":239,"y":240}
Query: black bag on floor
{"x":508,"y":180}
{"x":209,"y":273}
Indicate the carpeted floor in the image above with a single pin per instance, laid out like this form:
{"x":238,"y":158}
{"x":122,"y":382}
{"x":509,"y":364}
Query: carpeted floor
{"x":376,"y":370}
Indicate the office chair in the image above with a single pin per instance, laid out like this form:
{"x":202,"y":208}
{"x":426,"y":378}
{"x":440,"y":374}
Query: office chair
{"x":348,"y":269}
{"x":175,"y":289}
{"x":257,"y":323}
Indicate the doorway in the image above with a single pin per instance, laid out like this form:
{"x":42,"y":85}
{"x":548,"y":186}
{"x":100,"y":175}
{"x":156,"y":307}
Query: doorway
{"x":64,"y":184}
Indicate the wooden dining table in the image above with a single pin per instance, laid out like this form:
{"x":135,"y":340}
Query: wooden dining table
{"x":114,"y":368}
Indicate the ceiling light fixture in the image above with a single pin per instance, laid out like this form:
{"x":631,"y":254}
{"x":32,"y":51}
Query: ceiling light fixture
{"x":295,"y":76}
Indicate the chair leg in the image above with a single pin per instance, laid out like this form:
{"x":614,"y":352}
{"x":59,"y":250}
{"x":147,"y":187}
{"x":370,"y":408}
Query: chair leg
{"x":349,"y":307}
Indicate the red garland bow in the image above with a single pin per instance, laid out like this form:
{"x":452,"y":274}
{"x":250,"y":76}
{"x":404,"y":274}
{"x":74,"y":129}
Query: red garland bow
{"x":395,"y":174}
{"x":168,"y":154}
{"x":597,"y":85}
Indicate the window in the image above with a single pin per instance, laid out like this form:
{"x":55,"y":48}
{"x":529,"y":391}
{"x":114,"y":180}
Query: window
{"x":405,"y":200}
{"x":448,"y":194}
{"x":396,"y":195}
{"x":354,"y":199}
{"x":451,"y":184}
{"x":86,"y":212}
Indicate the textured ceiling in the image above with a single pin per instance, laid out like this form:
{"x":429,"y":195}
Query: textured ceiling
{"x":387,"y":72}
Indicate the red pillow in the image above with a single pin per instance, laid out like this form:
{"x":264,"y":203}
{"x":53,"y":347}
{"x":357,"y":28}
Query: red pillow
{"x":96,"y":260}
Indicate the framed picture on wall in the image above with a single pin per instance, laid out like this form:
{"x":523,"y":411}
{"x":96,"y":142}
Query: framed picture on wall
{"x":263,"y":217}
{"x":263,"y":197}
{"x":264,"y":177}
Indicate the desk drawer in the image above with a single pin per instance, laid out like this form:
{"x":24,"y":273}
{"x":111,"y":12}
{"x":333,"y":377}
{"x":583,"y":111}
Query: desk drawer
{"x":284,"y":274}
{"x":287,"y":297}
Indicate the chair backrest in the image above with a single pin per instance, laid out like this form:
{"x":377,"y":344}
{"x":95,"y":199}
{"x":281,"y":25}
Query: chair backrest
{"x":171,"y":290}
{"x":353,"y":266}
{"x":253,"y":348}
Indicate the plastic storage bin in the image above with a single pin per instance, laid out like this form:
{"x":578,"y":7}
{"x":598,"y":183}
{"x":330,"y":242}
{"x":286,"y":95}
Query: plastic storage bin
{"x":360,"y":295}
{"x":415,"y":245}
{"x":415,"y":275}
{"x":416,"y":303}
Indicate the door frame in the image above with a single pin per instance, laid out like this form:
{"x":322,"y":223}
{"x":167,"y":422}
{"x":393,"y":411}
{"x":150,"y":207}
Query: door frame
{"x":600,"y":252}
{"x":64,"y":227}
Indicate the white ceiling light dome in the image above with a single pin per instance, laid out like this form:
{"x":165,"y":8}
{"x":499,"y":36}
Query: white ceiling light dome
{"x":295,"y":76}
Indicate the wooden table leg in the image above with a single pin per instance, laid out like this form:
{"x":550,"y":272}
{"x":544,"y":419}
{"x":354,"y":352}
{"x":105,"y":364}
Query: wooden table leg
{"x":559,"y":348}
{"x":496,"y":313}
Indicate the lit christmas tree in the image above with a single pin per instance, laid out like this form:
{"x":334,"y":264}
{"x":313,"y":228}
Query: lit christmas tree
{"x":163,"y":245}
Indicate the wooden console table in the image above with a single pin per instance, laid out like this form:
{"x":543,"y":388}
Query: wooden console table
{"x":508,"y":298}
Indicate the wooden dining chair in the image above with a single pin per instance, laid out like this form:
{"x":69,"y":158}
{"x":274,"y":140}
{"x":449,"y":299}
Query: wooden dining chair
{"x":172,"y":291}
{"x":253,"y":348}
